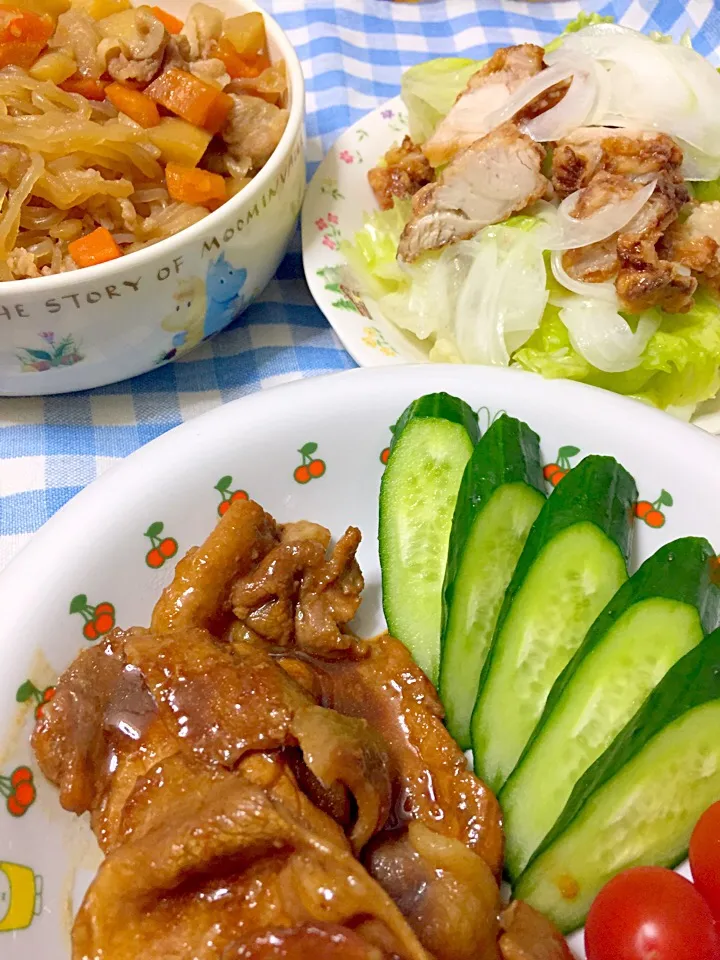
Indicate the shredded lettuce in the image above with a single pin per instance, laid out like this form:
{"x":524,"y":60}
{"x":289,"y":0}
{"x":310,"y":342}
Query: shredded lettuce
{"x":371,"y":255}
{"x":417,"y":297}
{"x":429,"y":90}
{"x":707,"y":190}
{"x":679,"y":366}
{"x":684,"y":41}
{"x":579,"y":23}
{"x":443,"y":296}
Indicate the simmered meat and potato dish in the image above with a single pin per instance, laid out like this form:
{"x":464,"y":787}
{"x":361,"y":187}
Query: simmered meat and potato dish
{"x":265,"y":784}
{"x":120,"y":125}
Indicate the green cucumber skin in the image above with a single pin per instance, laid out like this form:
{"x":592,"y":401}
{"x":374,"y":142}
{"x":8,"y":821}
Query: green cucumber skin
{"x":508,"y":453}
{"x":452,"y":413}
{"x":680,"y":572}
{"x":692,"y":683}
{"x":598,"y":491}
{"x":438,"y":406}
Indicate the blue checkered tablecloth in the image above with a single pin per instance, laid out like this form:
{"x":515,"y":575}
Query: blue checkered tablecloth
{"x":353,"y":53}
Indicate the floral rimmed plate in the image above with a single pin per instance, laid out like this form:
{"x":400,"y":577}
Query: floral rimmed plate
{"x":312,"y":450}
{"x":336,"y":200}
{"x":333,"y":209}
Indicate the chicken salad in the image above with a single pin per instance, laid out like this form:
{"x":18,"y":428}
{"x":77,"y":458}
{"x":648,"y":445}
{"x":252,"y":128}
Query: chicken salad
{"x":534,"y":217}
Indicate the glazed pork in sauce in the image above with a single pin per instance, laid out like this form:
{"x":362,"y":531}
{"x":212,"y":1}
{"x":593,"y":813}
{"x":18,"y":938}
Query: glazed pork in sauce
{"x":266,"y":785}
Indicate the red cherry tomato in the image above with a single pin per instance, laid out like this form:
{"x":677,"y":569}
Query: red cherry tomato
{"x":705,"y":857}
{"x":649,"y":913}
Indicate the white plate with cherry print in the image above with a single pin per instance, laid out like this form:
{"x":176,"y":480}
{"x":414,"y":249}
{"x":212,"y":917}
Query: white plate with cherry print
{"x":316,"y":450}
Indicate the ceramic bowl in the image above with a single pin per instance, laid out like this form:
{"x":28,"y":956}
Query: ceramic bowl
{"x":101,"y":324}
{"x":99,"y":562}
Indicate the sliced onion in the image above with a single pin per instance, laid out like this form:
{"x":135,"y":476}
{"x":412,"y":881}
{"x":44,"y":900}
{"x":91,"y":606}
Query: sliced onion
{"x":503,"y":299}
{"x":476,"y":328}
{"x":594,"y":291}
{"x":604,"y":338}
{"x":579,"y":232}
{"x":574,"y":108}
{"x":537,"y":85}
{"x":547,"y":232}
{"x":659,"y":86}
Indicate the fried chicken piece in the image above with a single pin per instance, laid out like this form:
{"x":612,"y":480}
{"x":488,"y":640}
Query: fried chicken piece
{"x":487,"y":91}
{"x":644,"y":279}
{"x":433,"y":784}
{"x":495,"y":177}
{"x":603,"y":188}
{"x":228,"y":864}
{"x":528,"y":935}
{"x":605,"y":167}
{"x":545,"y":101}
{"x":599,"y":261}
{"x":406,"y":169}
{"x":695,"y":243}
{"x":200,"y":590}
{"x":588,"y":150}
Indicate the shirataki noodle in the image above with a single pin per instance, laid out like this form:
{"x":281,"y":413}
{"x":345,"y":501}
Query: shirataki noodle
{"x":72,"y":162}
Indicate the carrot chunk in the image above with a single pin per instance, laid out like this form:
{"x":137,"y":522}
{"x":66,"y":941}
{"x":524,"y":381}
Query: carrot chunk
{"x":237,"y":64}
{"x":171,"y":23}
{"x":188,"y":97}
{"x":23,"y":35}
{"x":190,"y":185}
{"x":87,"y":87}
{"x":136,"y":105}
{"x":96,"y":247}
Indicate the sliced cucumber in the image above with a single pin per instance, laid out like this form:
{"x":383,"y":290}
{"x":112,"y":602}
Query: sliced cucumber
{"x":432,"y":442}
{"x":574,"y":560}
{"x":656,"y":617}
{"x":500,"y":497}
{"x":638,"y":803}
